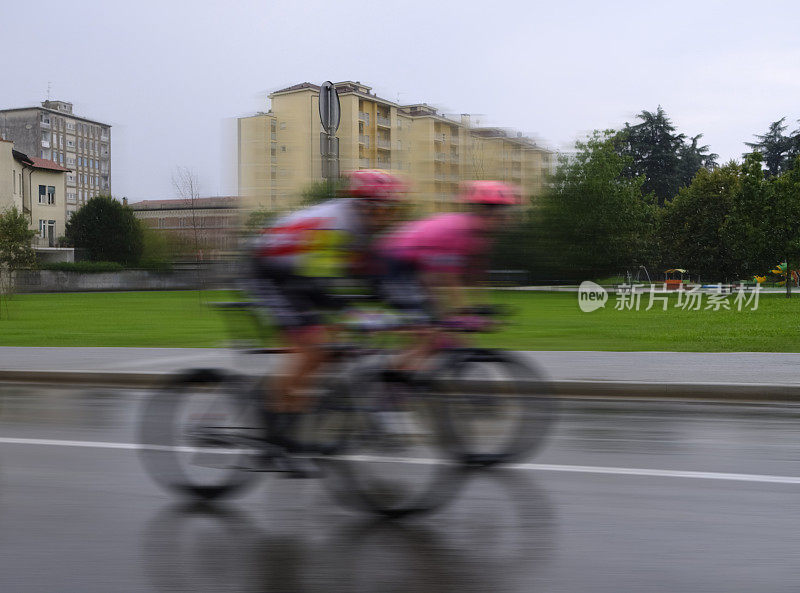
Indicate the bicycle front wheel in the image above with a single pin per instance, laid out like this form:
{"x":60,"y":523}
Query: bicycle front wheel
{"x":197,"y":434}
{"x":391,"y":458}
{"x":498,"y":407}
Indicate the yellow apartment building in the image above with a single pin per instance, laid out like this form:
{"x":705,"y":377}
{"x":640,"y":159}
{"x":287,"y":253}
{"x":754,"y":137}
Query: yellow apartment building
{"x":279,"y":150}
{"x":37,"y":188}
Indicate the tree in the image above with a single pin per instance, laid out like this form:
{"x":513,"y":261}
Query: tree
{"x":691,"y":225}
{"x":786,"y":238}
{"x":775,"y":147}
{"x":15,"y":247}
{"x":107,"y":230}
{"x":754,"y":223}
{"x":661,"y":156}
{"x":594,"y":220}
{"x":186,"y":185}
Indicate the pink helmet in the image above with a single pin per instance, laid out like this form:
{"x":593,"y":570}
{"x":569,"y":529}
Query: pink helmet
{"x":489,"y":192}
{"x":374,"y":184}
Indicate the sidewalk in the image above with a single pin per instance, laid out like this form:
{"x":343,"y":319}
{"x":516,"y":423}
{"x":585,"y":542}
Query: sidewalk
{"x":740,"y":375}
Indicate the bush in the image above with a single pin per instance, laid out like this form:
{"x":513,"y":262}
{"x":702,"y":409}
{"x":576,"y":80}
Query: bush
{"x":84,"y":267}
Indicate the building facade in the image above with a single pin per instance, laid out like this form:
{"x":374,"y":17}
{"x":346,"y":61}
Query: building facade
{"x":207,"y":225}
{"x":37,"y":188}
{"x":279,"y":150}
{"x":52,"y":132}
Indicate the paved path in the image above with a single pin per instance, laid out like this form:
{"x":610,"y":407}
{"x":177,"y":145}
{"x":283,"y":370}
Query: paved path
{"x":645,"y":367}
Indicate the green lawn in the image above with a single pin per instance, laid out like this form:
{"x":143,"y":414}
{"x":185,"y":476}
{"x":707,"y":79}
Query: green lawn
{"x":544,"y":321}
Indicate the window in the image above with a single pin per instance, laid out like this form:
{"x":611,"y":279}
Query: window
{"x":283,"y":148}
{"x":71,"y":125}
{"x":71,"y":197}
{"x":47,"y":230}
{"x":283,"y":125}
{"x":47,"y":194}
{"x":70,"y":143}
{"x":15,"y":182}
{"x":70,"y":160}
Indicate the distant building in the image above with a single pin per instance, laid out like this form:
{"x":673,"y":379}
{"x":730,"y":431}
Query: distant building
{"x":54,"y":133}
{"x":279,"y":150}
{"x":36,"y":187}
{"x":212,"y":223}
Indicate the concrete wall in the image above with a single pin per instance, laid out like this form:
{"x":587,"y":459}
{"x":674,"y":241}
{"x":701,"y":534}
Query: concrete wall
{"x":8,"y":171}
{"x":22,"y":127}
{"x":54,"y":281}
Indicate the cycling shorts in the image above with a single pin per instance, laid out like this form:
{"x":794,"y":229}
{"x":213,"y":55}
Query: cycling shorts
{"x":292,"y":301}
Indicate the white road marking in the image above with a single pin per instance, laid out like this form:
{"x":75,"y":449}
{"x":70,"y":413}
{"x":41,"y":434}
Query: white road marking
{"x":582,"y":469}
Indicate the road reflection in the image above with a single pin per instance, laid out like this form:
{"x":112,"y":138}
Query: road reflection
{"x":498,"y":540}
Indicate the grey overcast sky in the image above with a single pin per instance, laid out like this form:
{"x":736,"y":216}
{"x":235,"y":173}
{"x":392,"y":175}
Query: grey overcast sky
{"x":170,"y":76}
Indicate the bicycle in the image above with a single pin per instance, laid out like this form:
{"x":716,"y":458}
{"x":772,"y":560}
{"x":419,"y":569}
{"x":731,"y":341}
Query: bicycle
{"x":201,"y":436}
{"x":363,"y":426}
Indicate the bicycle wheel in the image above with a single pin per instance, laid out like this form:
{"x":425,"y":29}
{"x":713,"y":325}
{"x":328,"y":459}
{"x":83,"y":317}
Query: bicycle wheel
{"x":391,"y":459}
{"x":498,"y":407}
{"x":197,"y":434}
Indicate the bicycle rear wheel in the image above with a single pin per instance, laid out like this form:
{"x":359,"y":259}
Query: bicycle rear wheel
{"x":391,"y":459}
{"x":197,"y":434}
{"x":498,"y":407}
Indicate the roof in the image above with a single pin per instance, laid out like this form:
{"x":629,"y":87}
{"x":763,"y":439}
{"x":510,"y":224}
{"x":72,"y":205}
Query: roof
{"x":298,"y":87}
{"x":46,"y":164}
{"x":57,"y":112}
{"x":343,"y":88}
{"x":215,"y":202}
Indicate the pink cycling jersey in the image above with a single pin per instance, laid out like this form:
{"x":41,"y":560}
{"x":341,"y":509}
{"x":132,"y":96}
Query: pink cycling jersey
{"x":441,"y":243}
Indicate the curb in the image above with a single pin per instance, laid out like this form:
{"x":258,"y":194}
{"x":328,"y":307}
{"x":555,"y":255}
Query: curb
{"x":767,"y":392}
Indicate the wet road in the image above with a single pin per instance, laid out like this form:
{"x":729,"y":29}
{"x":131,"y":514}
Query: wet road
{"x":627,"y":496}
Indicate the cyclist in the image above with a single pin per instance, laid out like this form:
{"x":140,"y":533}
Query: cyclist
{"x":295,"y":262}
{"x":428,"y":261}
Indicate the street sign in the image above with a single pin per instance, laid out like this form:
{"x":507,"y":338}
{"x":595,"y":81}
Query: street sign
{"x":328,"y":145}
{"x":329,"y":108}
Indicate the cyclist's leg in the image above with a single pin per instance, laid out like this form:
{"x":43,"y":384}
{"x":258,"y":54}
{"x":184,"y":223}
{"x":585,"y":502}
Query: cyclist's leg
{"x":403,"y":288}
{"x":290,"y":302}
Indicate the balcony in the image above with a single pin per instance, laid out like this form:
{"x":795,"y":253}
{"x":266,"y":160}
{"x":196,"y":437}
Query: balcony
{"x":45,"y":144}
{"x":384,"y":121}
{"x":438,"y":137}
{"x":384,"y":144}
{"x":384,"y":164}
{"x":363,"y":116}
{"x":455,"y":158}
{"x":440,"y":156}
{"x":363,"y":163}
{"x":45,"y":124}
{"x":362,"y":139}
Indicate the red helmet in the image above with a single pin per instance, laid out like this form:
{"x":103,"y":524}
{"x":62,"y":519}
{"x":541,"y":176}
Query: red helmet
{"x":489,"y":192}
{"x":374,"y":184}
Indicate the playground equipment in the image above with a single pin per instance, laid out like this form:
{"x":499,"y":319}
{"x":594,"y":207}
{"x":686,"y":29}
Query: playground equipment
{"x":673,"y":278}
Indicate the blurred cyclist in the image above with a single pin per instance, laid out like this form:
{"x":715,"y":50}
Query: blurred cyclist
{"x":295,"y":261}
{"x":428,"y":261}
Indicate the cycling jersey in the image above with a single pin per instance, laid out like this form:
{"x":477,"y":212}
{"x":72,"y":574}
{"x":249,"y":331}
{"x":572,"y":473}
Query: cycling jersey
{"x":441,"y":243}
{"x":317,"y":242}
